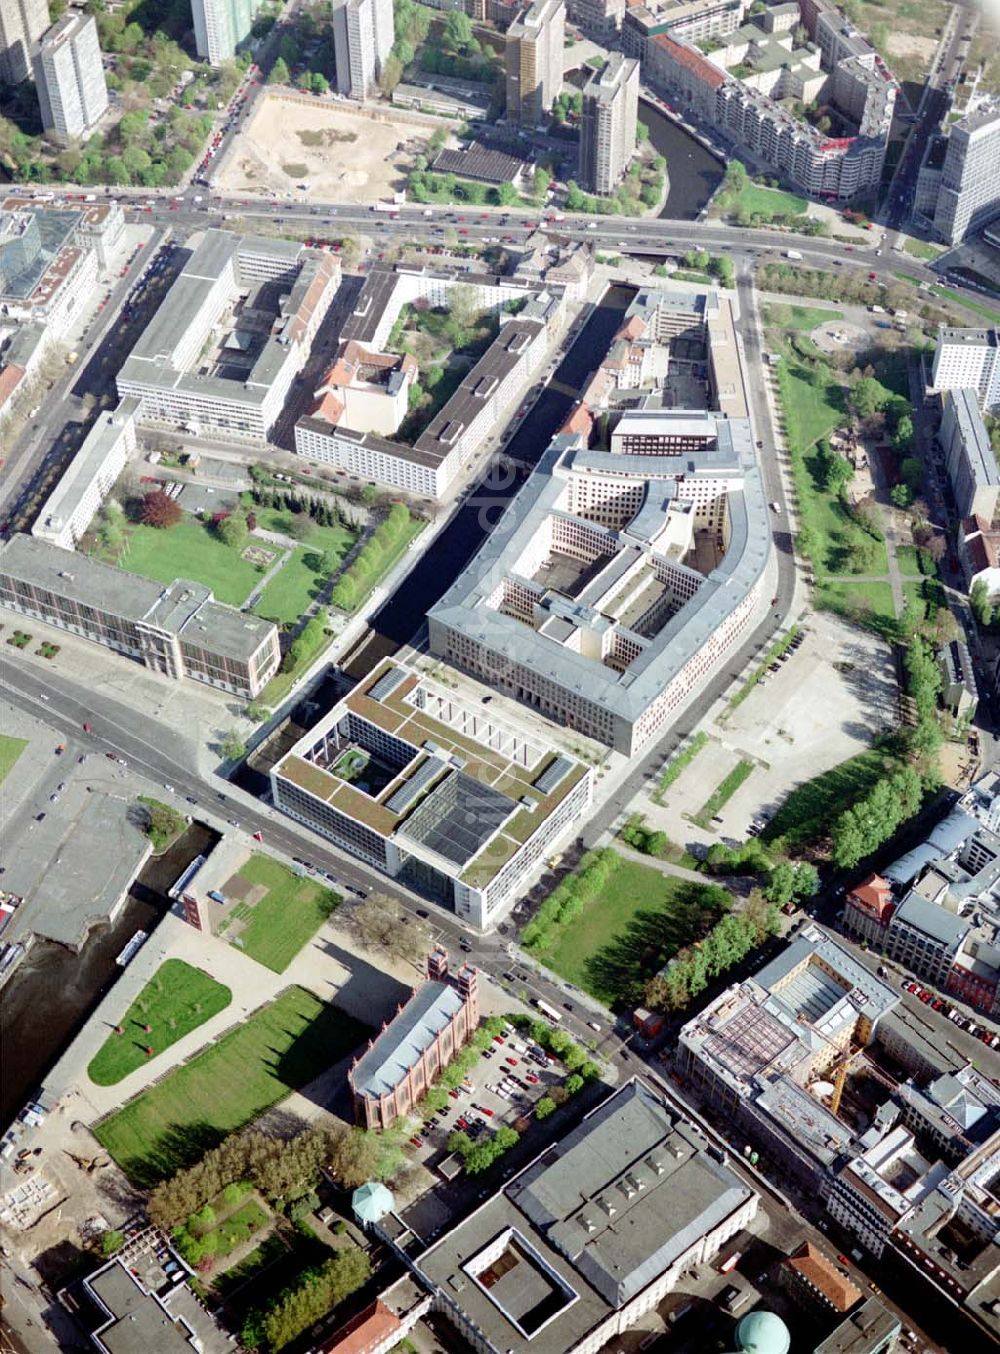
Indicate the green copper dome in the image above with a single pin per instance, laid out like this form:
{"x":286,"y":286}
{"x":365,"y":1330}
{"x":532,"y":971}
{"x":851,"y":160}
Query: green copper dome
{"x":763,"y":1333}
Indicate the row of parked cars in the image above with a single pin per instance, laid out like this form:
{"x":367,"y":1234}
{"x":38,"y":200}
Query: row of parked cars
{"x":954,"y":1015}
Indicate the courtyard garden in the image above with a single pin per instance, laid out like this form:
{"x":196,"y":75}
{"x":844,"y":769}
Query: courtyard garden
{"x":274,"y":1051}
{"x":277,"y":911}
{"x":176,"y":1000}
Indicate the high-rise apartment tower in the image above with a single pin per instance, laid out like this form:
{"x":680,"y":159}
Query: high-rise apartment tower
{"x":607,"y":133}
{"x":22,"y":23}
{"x":534,"y":60}
{"x":969,"y":195}
{"x":69,"y":77}
{"x":220,"y":26}
{"x":363,"y":34}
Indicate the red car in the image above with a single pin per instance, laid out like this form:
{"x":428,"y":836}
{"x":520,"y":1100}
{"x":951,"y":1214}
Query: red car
{"x":484,"y":1110}
{"x":872,"y":277}
{"x":498,"y":1039}
{"x":511,"y":1062}
{"x":530,"y":1076}
{"x":453,"y":1094}
{"x":461,"y":1123}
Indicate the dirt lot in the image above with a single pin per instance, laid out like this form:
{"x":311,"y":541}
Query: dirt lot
{"x":342,"y":155}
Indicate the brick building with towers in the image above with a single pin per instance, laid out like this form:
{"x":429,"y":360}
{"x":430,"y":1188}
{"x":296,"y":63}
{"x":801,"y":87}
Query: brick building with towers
{"x":402,"y":1063}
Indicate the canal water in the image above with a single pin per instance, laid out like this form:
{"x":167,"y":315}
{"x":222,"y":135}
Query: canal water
{"x":693,"y":172}
{"x":53,"y":991}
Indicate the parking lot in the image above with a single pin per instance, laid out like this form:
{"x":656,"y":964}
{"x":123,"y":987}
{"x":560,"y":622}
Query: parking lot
{"x":501,"y":1090}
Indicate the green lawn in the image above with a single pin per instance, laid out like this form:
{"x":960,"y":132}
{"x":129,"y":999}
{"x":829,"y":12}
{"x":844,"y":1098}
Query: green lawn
{"x":287,"y":916}
{"x":273,"y":1052}
{"x":810,"y":412}
{"x":801,"y":317}
{"x":769,"y":202}
{"x":10,"y":749}
{"x":175,"y":1001}
{"x":623,"y":935}
{"x":291,"y":590}
{"x":723,"y":793}
{"x":906,"y":558}
{"x":920,"y":249}
{"x":189,"y":550}
{"x":876,"y":597}
{"x":337,"y":539}
{"x":810,"y":808}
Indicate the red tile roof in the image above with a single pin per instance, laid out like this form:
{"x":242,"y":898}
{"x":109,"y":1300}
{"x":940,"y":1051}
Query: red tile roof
{"x":10,"y":378}
{"x":364,"y":1332}
{"x":812,"y":1265}
{"x":874,"y":895}
{"x":691,"y":60}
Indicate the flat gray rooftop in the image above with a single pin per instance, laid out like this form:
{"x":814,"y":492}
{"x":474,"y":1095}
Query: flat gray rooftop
{"x":76,"y":881}
{"x":605,"y":1211}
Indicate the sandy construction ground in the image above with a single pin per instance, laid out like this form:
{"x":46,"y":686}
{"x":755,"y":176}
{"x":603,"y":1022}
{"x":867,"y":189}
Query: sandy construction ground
{"x":341,"y":155}
{"x":911,"y":44}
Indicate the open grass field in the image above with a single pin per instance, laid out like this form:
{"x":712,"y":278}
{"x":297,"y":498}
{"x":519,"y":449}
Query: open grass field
{"x":769,"y":202}
{"x":922,"y":249}
{"x":282,"y":1046}
{"x":292,"y":590}
{"x":841,"y":595}
{"x":800,"y":317}
{"x":189,"y":550}
{"x":906,"y":558}
{"x":175,"y":1001}
{"x":809,"y":810}
{"x":810,"y":412}
{"x":287,"y":916}
{"x":622,"y":936}
{"x":10,"y":750}
{"x":337,"y":540}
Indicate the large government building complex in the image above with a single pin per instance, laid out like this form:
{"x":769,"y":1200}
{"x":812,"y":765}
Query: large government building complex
{"x":618,"y":577}
{"x":434,"y":790}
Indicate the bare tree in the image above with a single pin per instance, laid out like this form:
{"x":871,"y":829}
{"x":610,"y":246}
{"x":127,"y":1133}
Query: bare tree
{"x":383,"y":925}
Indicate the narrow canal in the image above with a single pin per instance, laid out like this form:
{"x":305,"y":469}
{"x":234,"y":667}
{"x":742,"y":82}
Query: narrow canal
{"x":693,"y":172}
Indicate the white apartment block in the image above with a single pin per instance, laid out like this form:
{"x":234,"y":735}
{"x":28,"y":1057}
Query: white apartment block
{"x":220,"y":26}
{"x":877,"y":1190}
{"x":69,"y":77}
{"x":968,"y":359}
{"x":89,"y":478}
{"x":22,"y":23}
{"x":969,"y":193}
{"x":972,"y":466}
{"x":363,"y":34}
{"x":160,"y":372}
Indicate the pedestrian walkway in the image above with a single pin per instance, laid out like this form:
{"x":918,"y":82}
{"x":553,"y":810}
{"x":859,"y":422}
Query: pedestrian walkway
{"x":655,"y":863}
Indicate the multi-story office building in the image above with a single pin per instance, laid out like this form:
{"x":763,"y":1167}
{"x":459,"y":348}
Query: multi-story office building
{"x":22,"y":23}
{"x":618,"y":579}
{"x":534,"y":61}
{"x":925,"y":937}
{"x":607,"y":132}
{"x":69,"y":77}
{"x":402,"y":1063}
{"x":177,"y":629}
{"x":972,"y":466}
{"x":89,"y":478}
{"x":434,"y":789}
{"x":220,"y":26}
{"x":968,"y":196}
{"x":244,"y":372}
{"x":363,"y":34}
{"x":347,"y":425}
{"x":597,"y":16}
{"x":968,"y":359}
{"x":571,"y":1252}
